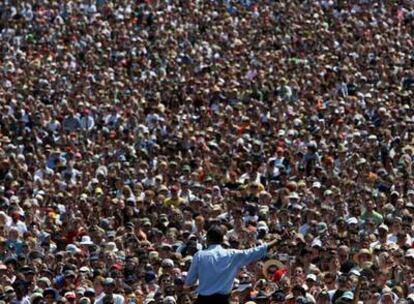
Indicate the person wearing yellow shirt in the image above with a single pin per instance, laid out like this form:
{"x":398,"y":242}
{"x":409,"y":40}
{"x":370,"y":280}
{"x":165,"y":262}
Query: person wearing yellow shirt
{"x":174,"y":199}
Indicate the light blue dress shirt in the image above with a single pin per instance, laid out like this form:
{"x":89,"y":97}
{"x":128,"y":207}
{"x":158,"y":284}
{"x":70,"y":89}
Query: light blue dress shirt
{"x":216,"y":267}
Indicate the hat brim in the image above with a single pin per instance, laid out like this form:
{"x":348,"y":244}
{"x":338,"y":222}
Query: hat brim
{"x":270,"y":263}
{"x":356,"y":256}
{"x":87,"y":243}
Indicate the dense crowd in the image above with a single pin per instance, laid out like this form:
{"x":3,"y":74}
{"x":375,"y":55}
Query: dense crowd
{"x":128,"y":128}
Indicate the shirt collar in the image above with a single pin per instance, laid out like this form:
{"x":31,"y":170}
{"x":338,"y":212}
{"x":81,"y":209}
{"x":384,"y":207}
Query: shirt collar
{"x":214,"y":246}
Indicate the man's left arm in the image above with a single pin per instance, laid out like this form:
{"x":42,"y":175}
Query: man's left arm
{"x":250,"y":255}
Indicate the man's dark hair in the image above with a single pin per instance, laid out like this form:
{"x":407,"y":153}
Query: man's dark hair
{"x":215,"y":235}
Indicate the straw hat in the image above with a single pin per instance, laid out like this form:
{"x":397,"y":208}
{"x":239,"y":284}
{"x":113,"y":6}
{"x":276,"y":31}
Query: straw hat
{"x":272,"y":263}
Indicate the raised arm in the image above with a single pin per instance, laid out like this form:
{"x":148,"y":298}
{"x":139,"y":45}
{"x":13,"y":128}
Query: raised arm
{"x":245,"y":257}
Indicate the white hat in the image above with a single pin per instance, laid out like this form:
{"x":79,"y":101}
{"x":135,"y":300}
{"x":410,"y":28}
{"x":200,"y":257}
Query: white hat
{"x":316,"y":243}
{"x":316,"y":185}
{"x":84,"y":269}
{"x":328,"y":192}
{"x":111,"y":247}
{"x":45,"y":280}
{"x":86,"y":240}
{"x":262,"y":225}
{"x":169,"y":300}
{"x":409,"y":253}
{"x":35,"y":296}
{"x":311,"y":277}
{"x":352,"y":220}
{"x":72,"y":248}
{"x":294,"y":195}
{"x":383,"y":226}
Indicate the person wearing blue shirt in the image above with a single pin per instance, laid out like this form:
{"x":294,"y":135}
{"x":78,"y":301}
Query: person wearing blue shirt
{"x":216,"y":267}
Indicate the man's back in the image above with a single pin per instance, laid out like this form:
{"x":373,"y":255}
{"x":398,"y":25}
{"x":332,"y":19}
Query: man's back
{"x":217,"y":267}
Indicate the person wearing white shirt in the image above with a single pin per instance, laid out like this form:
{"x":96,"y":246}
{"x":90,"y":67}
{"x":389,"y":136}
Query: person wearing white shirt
{"x":42,"y":172}
{"x":382,"y":237}
{"x":16,"y":223}
{"x":112,"y":118}
{"x":109,"y":285}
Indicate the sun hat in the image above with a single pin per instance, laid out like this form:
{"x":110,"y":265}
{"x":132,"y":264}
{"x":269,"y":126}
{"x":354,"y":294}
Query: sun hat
{"x":86,"y":240}
{"x":272,"y":263}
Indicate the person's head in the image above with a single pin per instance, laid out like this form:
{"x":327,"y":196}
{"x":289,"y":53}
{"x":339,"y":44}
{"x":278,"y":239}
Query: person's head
{"x":298,"y":272}
{"x":70,"y":297}
{"x":49,"y":295}
{"x":108,"y":299}
{"x":90,"y":294}
{"x":278,"y":297}
{"x":369,"y":205}
{"x":381,"y":278}
{"x":215,"y":235}
{"x":13,"y":233}
{"x":382,"y":231}
{"x":396,"y":225}
{"x":199,"y":221}
{"x":285,"y":284}
{"x":364,"y":255}
{"x":184,"y":299}
{"x":323,"y":297}
{"x":343,"y":253}
{"x":311,"y":280}
{"x":329,"y":280}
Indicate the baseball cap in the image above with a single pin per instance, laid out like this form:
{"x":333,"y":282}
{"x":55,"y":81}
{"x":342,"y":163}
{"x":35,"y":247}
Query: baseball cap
{"x":321,"y":227}
{"x":278,"y":296}
{"x":347,"y":295}
{"x":352,"y":221}
{"x":409,"y":253}
{"x":84,"y":300}
{"x":311,"y":277}
{"x":169,"y":300}
{"x":167,"y":263}
{"x":89,"y":292}
{"x":383,"y":227}
{"x":149,"y":276}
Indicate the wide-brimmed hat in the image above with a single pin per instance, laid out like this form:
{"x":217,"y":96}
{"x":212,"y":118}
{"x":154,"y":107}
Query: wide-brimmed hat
{"x":86,"y":240}
{"x":111,"y":247}
{"x":363,"y":251}
{"x":272,"y":263}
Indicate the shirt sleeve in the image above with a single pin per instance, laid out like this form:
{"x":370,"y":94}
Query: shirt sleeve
{"x":192,"y":275}
{"x":245,"y":257}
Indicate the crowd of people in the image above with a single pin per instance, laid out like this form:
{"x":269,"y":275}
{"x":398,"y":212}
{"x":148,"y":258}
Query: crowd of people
{"x":128,"y":128}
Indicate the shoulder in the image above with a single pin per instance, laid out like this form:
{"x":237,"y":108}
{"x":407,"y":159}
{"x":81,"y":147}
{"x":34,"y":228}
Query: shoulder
{"x":197,"y":255}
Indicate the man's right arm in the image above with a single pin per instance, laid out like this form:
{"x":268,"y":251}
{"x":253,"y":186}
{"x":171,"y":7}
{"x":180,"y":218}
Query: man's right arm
{"x":192,"y":275}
